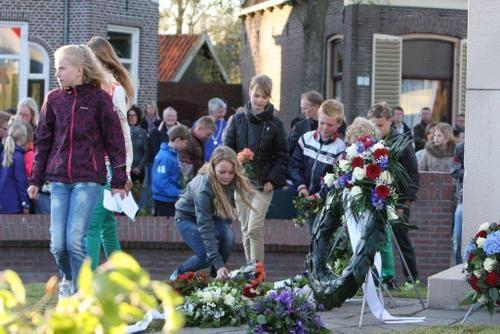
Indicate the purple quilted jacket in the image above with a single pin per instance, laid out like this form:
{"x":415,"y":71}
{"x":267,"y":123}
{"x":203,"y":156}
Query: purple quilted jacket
{"x":77,"y":126}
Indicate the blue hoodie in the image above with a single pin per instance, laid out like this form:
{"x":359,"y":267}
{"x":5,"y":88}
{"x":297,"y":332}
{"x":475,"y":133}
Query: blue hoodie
{"x":166,"y":175}
{"x":14,"y":184}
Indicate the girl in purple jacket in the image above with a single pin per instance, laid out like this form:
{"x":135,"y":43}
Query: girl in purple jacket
{"x":77,"y":126}
{"x":13,"y":197}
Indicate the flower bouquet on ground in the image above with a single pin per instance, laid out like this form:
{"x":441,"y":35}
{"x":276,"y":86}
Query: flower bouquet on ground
{"x":250,"y":277}
{"x":187,"y":283}
{"x":482,"y":267}
{"x":306,"y":208}
{"x":217,"y":305}
{"x":245,"y":158}
{"x":285,"y":311}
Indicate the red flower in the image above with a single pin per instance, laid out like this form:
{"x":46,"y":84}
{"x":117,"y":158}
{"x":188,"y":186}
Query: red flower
{"x":491,"y":279}
{"x":383,"y":191}
{"x":471,"y":257}
{"x":357,"y":162}
{"x":380,"y":152}
{"x":367,"y":141}
{"x":473,"y":283}
{"x":481,"y":234}
{"x":373,"y":171}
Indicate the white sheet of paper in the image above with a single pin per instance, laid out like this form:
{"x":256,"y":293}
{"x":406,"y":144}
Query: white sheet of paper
{"x":129,"y":206}
{"x":109,"y":202}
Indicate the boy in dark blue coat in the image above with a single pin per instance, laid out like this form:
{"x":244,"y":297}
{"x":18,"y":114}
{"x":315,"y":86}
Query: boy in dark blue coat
{"x":166,"y":186}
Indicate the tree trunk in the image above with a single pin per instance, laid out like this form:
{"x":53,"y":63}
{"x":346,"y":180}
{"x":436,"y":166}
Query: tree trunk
{"x":312,"y":15}
{"x":179,"y":18}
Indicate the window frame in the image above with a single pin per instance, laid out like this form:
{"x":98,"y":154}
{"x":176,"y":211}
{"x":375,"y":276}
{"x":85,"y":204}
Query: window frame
{"x":46,"y":65}
{"x":134,"y":60}
{"x":330,"y":78}
{"x":22,"y":56}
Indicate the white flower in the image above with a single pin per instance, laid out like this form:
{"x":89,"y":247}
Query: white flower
{"x":329,"y":179}
{"x":377,"y":146}
{"x":489,"y":264}
{"x":386,"y":177}
{"x":229,"y":300}
{"x":344,"y":165}
{"x":391,"y":213}
{"x":355,"y":191}
{"x":351,"y":151}
{"x":484,"y":227}
{"x":483,"y":300}
{"x":478,"y":273}
{"x":480,"y":242}
{"x":359,"y":173}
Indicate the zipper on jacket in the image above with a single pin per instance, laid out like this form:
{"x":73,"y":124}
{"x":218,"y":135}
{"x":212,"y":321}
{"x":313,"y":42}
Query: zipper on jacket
{"x":72,"y":125}
{"x":314,"y":167}
{"x":93,"y":158}
{"x":260,"y":145}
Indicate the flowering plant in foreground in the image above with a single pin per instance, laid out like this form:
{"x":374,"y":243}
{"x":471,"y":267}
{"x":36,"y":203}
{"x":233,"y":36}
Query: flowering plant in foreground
{"x":306,"y":208}
{"x":245,"y":158}
{"x":285,"y":311}
{"x":482,"y":267}
{"x":368,"y":176}
{"x":187,"y":283}
{"x":217,"y":305}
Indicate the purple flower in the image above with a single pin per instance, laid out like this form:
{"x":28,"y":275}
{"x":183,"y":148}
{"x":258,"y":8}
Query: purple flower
{"x":286,"y":298}
{"x":342,"y":181}
{"x":471,"y":247}
{"x":384,"y":163}
{"x":317,"y":321}
{"x":299,"y":328}
{"x":377,"y":202}
{"x":259,"y":330}
{"x":360,"y":147}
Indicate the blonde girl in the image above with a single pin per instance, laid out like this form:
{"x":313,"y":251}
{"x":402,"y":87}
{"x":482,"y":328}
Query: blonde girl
{"x":438,"y":154}
{"x":103,"y":227}
{"x":77,"y":127}
{"x":204,"y":213}
{"x":27,"y":110}
{"x":13,"y":182}
{"x":152,"y":118}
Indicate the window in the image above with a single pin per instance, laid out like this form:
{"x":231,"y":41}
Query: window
{"x":13,"y":67}
{"x":125,"y":41}
{"x":38,"y":76}
{"x":335,"y":67}
{"x":427,"y":78}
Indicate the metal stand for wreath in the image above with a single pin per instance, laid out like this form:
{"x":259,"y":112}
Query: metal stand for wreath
{"x":472,"y":308}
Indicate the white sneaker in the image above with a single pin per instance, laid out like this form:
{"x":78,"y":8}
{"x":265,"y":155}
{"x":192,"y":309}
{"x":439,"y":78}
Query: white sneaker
{"x":65,"y":288}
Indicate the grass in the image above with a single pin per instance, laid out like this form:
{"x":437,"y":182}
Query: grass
{"x":35,"y":292}
{"x":482,"y":329}
{"x":404,"y":293}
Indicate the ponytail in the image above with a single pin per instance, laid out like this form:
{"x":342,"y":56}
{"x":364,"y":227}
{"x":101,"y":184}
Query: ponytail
{"x":17,"y":135}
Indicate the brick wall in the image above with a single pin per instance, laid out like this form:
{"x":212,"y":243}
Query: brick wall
{"x":272,"y":43}
{"x":159,"y":248}
{"x":86,"y":19}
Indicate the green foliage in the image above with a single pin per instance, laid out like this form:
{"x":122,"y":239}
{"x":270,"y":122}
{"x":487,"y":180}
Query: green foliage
{"x":306,"y":208}
{"x":116,"y":294}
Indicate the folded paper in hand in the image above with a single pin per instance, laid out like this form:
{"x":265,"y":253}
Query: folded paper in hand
{"x":117,"y":204}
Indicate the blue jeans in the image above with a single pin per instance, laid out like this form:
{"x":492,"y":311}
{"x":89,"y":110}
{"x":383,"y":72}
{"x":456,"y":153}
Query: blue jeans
{"x":190,"y":234}
{"x":71,"y":210}
{"x":42,"y":204}
{"x":457,"y":234}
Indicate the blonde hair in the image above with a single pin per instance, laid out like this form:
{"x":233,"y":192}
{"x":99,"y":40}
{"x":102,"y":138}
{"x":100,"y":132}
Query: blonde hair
{"x":105,"y":53}
{"x":155,"y":108}
{"x":359,"y":128}
{"x":33,"y":107}
{"x":17,"y":135}
{"x":333,"y":108}
{"x":222,"y":204}
{"x":94,"y":72}
{"x":206,"y":122}
{"x":447,"y":131}
{"x":262,"y":82}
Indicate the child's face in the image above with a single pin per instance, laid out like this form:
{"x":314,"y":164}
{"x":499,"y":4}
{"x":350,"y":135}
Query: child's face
{"x":327,"y":125}
{"x":382,"y":124}
{"x":24,"y":114}
{"x":224,"y":171}
{"x":438,"y":138}
{"x":67,"y":74}
{"x":258,"y":99}
{"x":179,"y":144}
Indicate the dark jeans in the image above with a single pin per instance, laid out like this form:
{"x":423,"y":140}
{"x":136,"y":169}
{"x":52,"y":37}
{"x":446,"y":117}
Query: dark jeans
{"x":190,"y":234}
{"x":404,"y":242}
{"x":164,"y":209}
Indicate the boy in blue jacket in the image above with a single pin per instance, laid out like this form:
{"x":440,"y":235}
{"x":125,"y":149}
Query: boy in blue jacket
{"x":166,"y":186}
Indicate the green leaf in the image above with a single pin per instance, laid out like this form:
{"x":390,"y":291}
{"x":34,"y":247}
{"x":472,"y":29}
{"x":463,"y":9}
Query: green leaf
{"x":85,"y":278}
{"x":125,"y":261}
{"x":261,"y":319}
{"x":16,"y":285}
{"x":468,"y":298}
{"x":493,"y":294}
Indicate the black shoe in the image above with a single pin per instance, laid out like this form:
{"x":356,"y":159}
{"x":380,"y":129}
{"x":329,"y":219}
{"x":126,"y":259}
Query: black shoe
{"x":390,"y":284}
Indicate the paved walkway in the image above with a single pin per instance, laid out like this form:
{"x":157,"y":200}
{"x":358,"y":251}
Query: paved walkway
{"x":346,"y":318}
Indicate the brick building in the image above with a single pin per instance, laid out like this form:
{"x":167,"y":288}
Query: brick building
{"x":407,"y":52}
{"x":31,"y":30}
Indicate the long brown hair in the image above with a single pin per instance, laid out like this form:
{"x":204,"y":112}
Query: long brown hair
{"x":105,"y":53}
{"x":222,"y":204}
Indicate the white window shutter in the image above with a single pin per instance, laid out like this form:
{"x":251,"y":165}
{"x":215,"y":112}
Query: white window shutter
{"x":386,"y":69}
{"x":462,"y":77}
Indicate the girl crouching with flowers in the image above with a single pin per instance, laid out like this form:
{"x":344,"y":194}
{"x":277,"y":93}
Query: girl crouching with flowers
{"x":204,"y":212}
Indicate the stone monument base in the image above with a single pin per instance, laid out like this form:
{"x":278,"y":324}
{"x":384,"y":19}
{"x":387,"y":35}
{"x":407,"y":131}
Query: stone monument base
{"x":446,"y":289}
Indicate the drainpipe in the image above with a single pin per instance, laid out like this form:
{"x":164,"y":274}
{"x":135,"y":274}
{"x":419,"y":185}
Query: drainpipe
{"x":66,"y":22}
